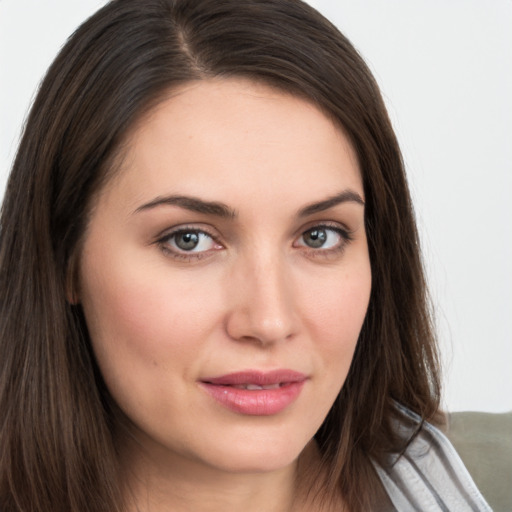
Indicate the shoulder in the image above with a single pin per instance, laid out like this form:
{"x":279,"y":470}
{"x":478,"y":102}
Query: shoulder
{"x":428,"y":475}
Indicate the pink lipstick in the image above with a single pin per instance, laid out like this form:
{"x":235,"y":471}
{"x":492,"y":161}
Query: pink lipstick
{"x":256,"y":393}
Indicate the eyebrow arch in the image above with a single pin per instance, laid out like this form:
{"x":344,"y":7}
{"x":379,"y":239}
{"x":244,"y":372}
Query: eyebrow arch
{"x":342,"y":197}
{"x":193,"y":204}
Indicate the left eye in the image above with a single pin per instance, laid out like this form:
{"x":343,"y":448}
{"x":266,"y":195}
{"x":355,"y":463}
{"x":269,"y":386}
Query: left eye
{"x":321,"y":237}
{"x":189,"y":241}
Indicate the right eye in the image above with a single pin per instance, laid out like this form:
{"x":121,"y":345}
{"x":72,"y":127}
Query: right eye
{"x":188,"y":243}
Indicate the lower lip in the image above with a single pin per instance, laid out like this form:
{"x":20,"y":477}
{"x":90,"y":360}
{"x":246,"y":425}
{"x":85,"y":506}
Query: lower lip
{"x":258,"y":402}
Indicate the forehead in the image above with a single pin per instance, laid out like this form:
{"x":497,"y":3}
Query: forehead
{"x":235,"y":136}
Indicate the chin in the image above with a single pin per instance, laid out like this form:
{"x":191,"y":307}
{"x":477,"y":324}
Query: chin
{"x":257,"y":454}
{"x":255,"y":463}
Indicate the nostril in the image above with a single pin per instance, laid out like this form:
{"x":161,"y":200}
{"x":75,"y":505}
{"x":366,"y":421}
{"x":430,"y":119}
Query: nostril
{"x":263,"y":308}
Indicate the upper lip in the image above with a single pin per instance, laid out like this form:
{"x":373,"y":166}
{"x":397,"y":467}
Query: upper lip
{"x":257,"y":377}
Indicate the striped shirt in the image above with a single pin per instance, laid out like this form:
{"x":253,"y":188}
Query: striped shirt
{"x":429,"y":476}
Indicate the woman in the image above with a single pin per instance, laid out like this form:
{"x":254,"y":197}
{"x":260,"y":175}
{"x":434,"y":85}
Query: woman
{"x":212,"y":293}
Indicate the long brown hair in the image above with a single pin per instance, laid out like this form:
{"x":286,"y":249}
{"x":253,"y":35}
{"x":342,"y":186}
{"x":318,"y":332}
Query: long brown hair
{"x":57,"y":447}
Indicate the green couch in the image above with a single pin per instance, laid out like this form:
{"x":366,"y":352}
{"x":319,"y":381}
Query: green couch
{"x":484,"y":443}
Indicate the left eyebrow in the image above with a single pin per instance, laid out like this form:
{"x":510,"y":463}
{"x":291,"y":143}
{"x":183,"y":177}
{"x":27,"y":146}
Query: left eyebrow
{"x":330,"y":202}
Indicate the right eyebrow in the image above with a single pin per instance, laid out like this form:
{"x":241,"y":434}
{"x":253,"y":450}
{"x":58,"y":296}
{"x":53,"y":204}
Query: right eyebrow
{"x":193,"y":204}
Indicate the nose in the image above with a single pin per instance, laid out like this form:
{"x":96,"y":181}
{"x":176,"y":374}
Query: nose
{"x":262,"y":302}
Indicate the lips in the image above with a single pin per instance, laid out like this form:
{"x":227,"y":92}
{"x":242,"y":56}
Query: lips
{"x":256,"y":393}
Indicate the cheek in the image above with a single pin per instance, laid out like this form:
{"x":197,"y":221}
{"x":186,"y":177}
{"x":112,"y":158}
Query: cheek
{"x":135,"y":302}
{"x":335,"y":315}
{"x":147,"y":340}
{"x":140,"y":324}
{"x":333,"y":309}
{"x":338,"y":308}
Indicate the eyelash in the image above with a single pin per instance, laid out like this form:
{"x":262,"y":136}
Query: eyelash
{"x":163,"y":242}
{"x":184,"y":255}
{"x":346,"y":236}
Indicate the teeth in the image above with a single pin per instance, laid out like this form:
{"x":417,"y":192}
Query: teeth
{"x":253,"y":386}
{"x":256,"y":387}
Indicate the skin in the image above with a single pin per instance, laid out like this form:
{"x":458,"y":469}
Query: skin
{"x":254,"y":294}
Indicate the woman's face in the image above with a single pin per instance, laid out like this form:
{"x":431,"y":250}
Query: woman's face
{"x":225,"y":275}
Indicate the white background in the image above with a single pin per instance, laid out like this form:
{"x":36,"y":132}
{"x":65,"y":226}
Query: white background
{"x":445,"y":68}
